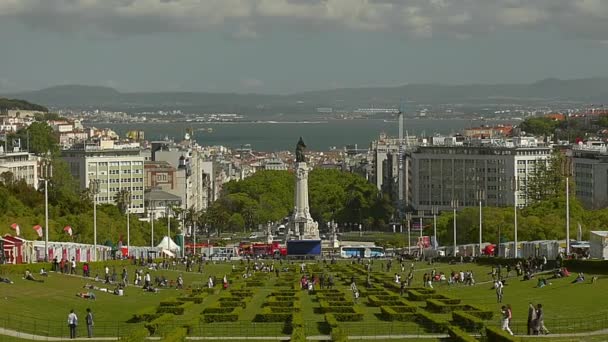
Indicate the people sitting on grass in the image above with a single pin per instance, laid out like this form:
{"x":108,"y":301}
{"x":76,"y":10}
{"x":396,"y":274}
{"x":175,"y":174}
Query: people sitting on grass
{"x":29,"y":276}
{"x":542,"y":282}
{"x":6,"y":280}
{"x":43,"y":272}
{"x":86,"y":295}
{"x":580,"y":278}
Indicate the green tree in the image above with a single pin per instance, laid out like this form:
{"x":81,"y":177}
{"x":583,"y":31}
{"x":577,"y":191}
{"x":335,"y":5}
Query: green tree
{"x":539,"y":126}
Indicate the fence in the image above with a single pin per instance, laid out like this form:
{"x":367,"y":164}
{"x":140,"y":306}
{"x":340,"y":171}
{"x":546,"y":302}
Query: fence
{"x":59,"y":328}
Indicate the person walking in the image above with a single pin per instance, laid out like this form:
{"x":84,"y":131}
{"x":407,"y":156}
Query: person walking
{"x":505,"y":319}
{"x":531,"y":319}
{"x":89,"y":323}
{"x":499,"y":291}
{"x":72,"y":323}
{"x":540,"y":320}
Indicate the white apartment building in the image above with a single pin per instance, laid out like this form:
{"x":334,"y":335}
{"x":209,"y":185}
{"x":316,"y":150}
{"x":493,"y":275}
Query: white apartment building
{"x":440,"y":174}
{"x":116,"y":167}
{"x":590,"y":165}
{"x":23,"y":166}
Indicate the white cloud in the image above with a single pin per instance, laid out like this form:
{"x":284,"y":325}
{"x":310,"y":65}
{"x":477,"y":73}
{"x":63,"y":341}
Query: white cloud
{"x":423,"y":18}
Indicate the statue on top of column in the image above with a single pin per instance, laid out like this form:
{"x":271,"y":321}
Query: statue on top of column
{"x":300,"y":158}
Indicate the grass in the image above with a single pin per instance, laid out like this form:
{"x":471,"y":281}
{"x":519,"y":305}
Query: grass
{"x":42,"y":308}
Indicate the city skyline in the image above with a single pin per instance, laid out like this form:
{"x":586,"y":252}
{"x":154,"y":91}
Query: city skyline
{"x":287,"y":46}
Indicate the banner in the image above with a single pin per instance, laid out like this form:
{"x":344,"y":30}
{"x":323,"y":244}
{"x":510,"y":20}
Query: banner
{"x":16,"y":228}
{"x":38,"y":230}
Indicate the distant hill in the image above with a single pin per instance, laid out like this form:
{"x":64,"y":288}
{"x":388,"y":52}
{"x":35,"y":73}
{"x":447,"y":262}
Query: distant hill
{"x":589,"y":90}
{"x":6,"y":104}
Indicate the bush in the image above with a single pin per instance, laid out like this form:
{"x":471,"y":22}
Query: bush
{"x":467,"y":321}
{"x":175,"y":310}
{"x":458,"y":335}
{"x":217,"y":310}
{"x":431,"y":322}
{"x":144,"y":315}
{"x":169,"y":303}
{"x":385,"y":300}
{"x":397,"y":313}
{"x":483,"y":314}
{"x":437,"y":306}
{"x":137,"y":334}
{"x":193,"y":299}
{"x":498,"y":335}
{"x":268,"y":315}
{"x":338,"y":334}
{"x":176,"y":335}
{"x":153,"y":326}
{"x":222,"y":317}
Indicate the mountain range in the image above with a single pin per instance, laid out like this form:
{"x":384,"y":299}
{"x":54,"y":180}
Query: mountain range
{"x":588,"y":90}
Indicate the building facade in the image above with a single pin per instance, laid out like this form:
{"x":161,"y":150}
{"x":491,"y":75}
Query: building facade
{"x":22,"y":166}
{"x":493,"y":173}
{"x":590,"y":168}
{"x":115,"y":167}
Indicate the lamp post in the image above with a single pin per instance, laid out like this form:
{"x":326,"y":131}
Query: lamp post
{"x":454,"y":207}
{"x":168,"y":211}
{"x":47,"y":170}
{"x":567,"y":217}
{"x":515,"y":188}
{"x":434,"y":211}
{"x":420,"y":214}
{"x":128,"y":223}
{"x":480,"y":196}
{"x":408,"y":219}
{"x":152,"y":214}
{"x":94,"y":187}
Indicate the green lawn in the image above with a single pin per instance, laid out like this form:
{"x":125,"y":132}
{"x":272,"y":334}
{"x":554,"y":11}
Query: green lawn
{"x":42,"y":308}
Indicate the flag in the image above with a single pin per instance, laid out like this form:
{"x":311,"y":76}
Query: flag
{"x":16,"y":228}
{"x":68,"y":230}
{"x":38,"y":230}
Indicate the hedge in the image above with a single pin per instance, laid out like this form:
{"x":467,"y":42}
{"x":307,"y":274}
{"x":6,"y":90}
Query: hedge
{"x":222,"y":317}
{"x":458,"y":335}
{"x":437,"y":306}
{"x":397,"y":313}
{"x":154,"y":325}
{"x":431,"y":322}
{"x":195,"y":299}
{"x":355,"y":316}
{"x":587,"y":266}
{"x":389,"y":301}
{"x":137,"y":334}
{"x":268,"y":315}
{"x":217,"y":310}
{"x":144,"y":315}
{"x":417,"y":296}
{"x":175,"y":310}
{"x":176,"y":335}
{"x":298,"y":334}
{"x":483,"y":314}
{"x":498,"y":335}
{"x":467,"y":321}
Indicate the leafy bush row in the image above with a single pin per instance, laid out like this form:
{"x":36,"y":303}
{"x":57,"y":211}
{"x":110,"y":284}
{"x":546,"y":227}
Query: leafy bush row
{"x":467,"y":321}
{"x":498,"y":335}
{"x":176,"y":335}
{"x":397,"y":313}
{"x":156,"y":324}
{"x":458,"y":335}
{"x":431,"y":322}
{"x":232,"y":316}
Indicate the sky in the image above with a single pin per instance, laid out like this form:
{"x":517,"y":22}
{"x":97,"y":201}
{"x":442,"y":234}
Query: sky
{"x":287,"y":46}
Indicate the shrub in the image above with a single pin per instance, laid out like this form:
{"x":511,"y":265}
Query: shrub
{"x":222,"y":317}
{"x":136,"y":335}
{"x":483,"y":314}
{"x":435,"y":305}
{"x":338,"y":334}
{"x":385,"y":300}
{"x":298,"y":335}
{"x":175,"y":335}
{"x":397,"y":313}
{"x":431,"y":322}
{"x":268,"y":315}
{"x":217,"y":310}
{"x":154,"y":325}
{"x":458,"y":335}
{"x":175,"y":310}
{"x":498,"y":335}
{"x":144,"y":315}
{"x":193,"y":299}
{"x":467,"y":321}
{"x":167,"y":303}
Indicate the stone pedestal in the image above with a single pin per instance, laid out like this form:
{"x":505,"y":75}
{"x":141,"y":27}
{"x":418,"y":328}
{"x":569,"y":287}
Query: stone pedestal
{"x":301,"y":222}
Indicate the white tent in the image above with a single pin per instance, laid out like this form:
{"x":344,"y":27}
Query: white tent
{"x":172,"y":245}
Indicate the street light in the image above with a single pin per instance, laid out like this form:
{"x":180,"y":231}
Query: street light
{"x":168,"y":214}
{"x":434,"y":210}
{"x":47,"y":174}
{"x":480,"y":196}
{"x":515,"y":188}
{"x":152,"y":214}
{"x":94,"y":188}
{"x":408,"y":219}
{"x":454,"y":205}
{"x":420,"y":214}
